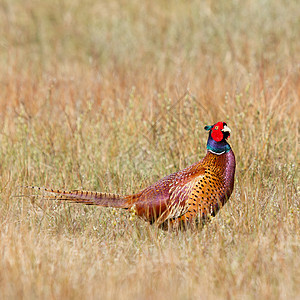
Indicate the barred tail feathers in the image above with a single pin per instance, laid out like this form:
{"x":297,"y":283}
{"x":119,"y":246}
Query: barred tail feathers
{"x":90,"y":198}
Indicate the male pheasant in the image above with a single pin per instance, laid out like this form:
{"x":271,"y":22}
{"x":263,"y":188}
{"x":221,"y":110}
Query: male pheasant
{"x":185,"y":197}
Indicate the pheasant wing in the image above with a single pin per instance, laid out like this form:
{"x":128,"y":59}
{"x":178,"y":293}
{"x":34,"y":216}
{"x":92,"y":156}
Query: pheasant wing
{"x":168,"y":198}
{"x":181,"y":192}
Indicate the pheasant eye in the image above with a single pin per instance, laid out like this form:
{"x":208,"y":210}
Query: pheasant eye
{"x":217,"y":127}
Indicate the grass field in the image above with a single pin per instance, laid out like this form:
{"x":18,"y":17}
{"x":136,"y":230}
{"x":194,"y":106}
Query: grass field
{"x":113,"y":95}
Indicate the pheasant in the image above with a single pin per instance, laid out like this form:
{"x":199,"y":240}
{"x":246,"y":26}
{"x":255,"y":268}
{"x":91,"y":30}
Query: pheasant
{"x":182,"y":198}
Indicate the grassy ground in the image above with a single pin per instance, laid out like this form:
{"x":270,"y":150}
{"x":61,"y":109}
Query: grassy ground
{"x":111,"y":96}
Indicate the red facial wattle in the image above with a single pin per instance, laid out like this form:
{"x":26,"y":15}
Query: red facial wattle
{"x":217,"y":133}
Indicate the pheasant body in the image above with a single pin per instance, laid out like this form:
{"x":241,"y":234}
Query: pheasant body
{"x":190,"y":194}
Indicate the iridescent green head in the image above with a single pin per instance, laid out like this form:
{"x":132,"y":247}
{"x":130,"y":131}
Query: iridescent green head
{"x":218,"y":136}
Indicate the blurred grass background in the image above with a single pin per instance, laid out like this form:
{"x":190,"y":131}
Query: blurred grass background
{"x":111,"y":96}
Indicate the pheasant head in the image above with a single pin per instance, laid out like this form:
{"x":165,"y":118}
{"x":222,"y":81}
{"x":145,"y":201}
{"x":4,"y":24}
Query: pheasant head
{"x":217,"y":139}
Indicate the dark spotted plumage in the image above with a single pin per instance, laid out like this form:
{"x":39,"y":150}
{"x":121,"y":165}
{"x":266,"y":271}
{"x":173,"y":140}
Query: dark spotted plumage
{"x":182,"y":198}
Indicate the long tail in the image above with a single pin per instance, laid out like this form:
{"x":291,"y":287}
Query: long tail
{"x":90,"y":198}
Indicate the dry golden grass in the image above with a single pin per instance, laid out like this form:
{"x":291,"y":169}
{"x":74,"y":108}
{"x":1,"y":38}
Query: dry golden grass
{"x":111,"y":96}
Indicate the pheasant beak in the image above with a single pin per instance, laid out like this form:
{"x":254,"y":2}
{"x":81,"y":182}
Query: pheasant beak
{"x":226,"y":129}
